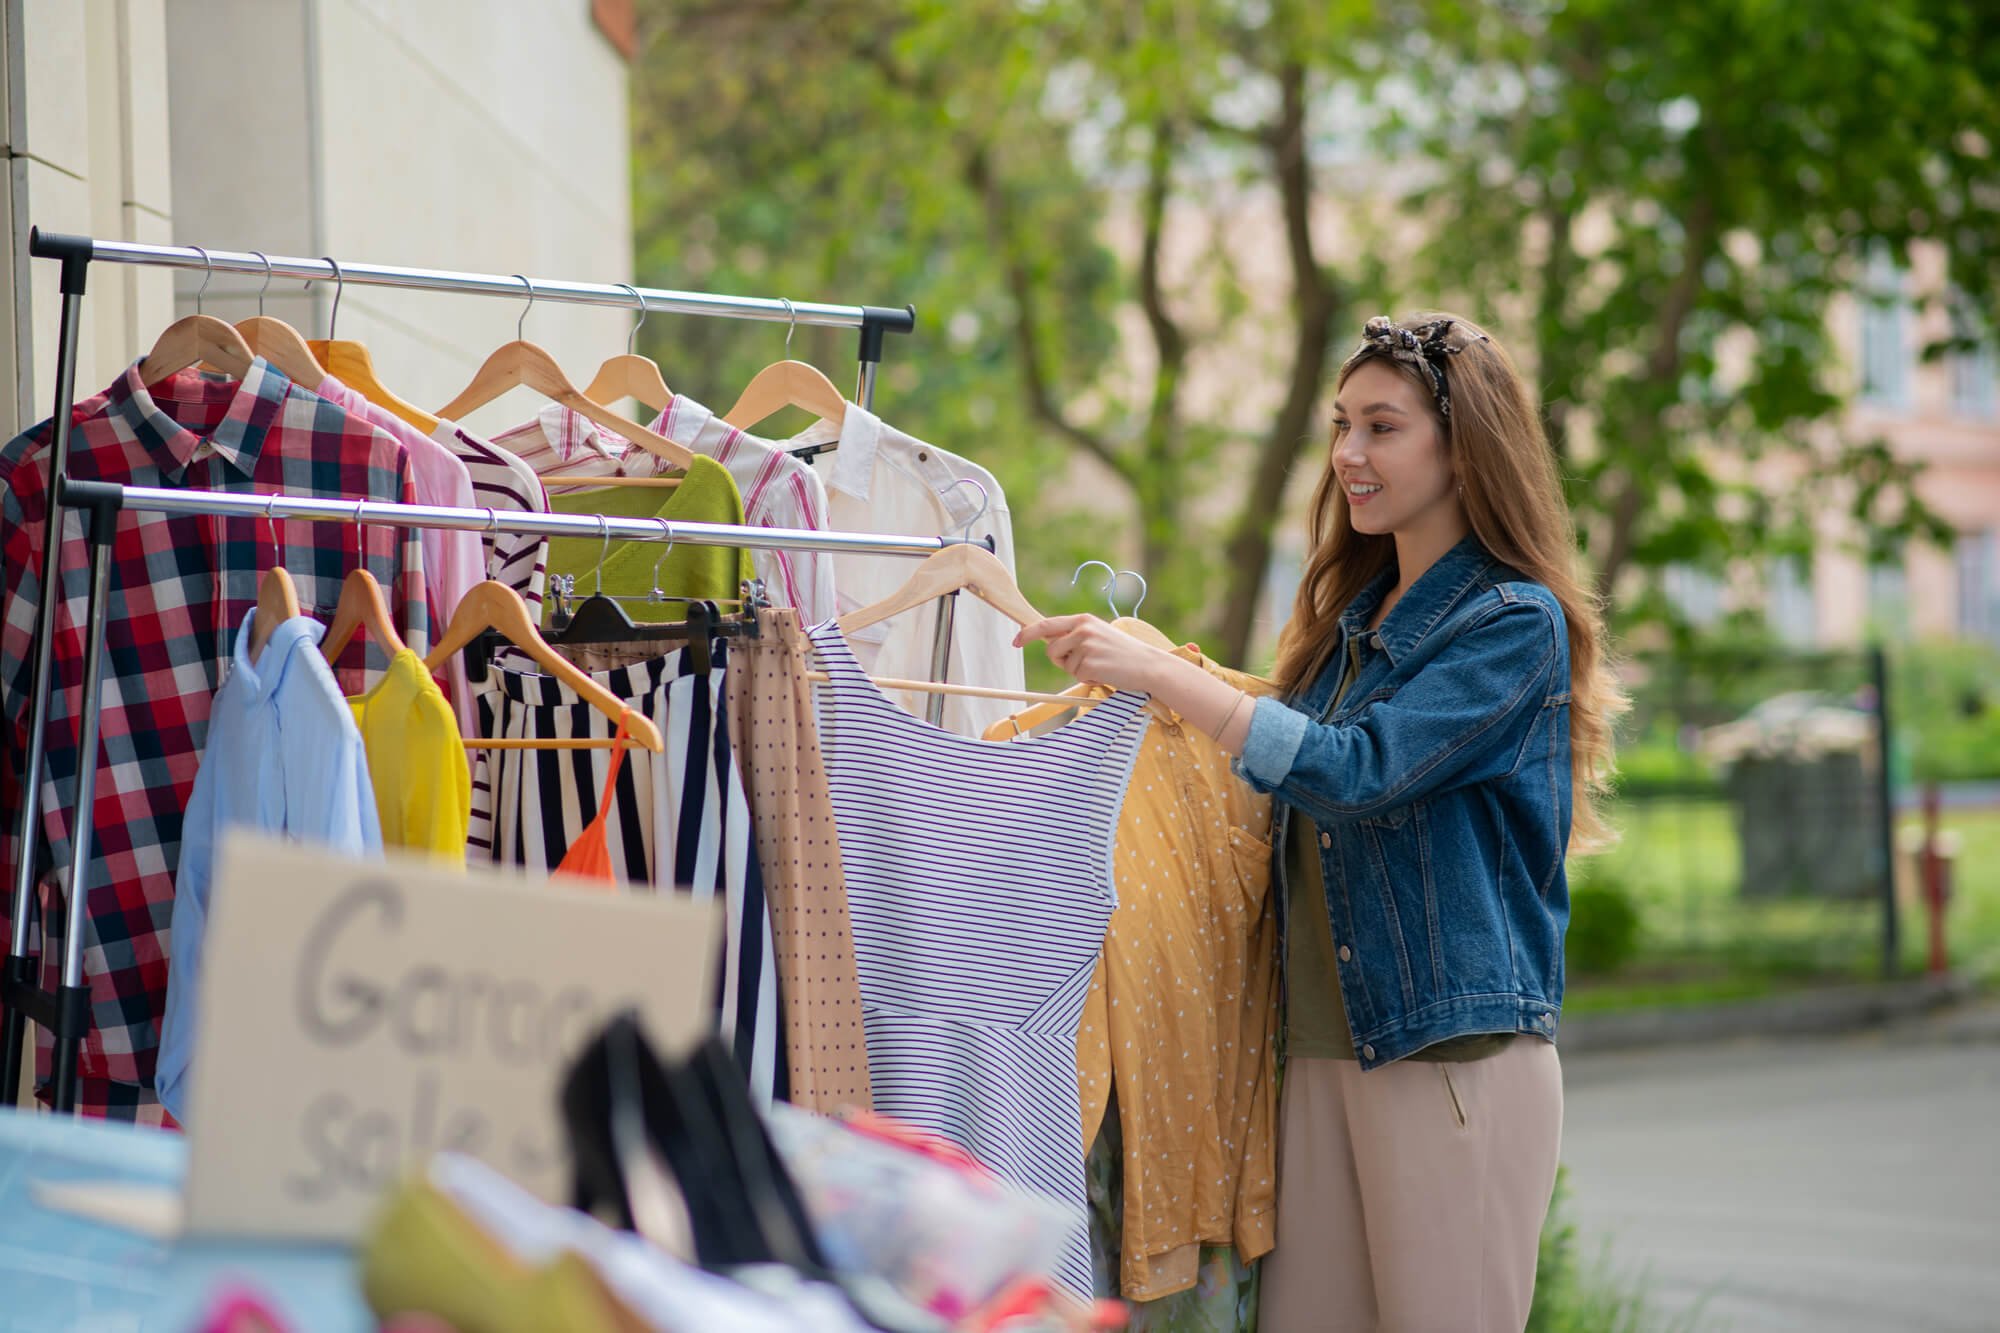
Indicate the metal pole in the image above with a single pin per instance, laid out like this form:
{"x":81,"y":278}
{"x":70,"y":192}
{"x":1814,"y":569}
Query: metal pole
{"x":657,"y":300}
{"x":76,"y":264}
{"x":941,"y":657}
{"x":161,"y":500}
{"x":864,"y":394}
{"x":1878,"y":664}
{"x":73,"y":995}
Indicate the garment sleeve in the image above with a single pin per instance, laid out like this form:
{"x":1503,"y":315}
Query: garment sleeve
{"x":410,"y":600}
{"x":1459,"y":720}
{"x":189,"y":925}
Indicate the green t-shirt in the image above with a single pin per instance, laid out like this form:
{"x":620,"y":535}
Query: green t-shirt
{"x":1316,"y":1023}
{"x":708,"y":495}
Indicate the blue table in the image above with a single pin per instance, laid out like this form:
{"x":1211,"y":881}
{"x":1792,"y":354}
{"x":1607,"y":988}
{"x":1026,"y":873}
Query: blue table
{"x":59,"y":1271}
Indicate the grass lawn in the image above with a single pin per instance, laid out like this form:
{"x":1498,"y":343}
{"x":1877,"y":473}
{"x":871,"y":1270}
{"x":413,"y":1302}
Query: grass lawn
{"x":1700,"y":942}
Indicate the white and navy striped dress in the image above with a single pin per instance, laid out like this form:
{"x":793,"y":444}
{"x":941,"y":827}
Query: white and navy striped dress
{"x":680,"y":820}
{"x":979,"y":878}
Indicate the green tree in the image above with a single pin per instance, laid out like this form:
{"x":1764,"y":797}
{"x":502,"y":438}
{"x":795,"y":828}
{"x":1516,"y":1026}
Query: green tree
{"x":980,"y":156}
{"x":1657,"y":203}
{"x":1669,"y":198}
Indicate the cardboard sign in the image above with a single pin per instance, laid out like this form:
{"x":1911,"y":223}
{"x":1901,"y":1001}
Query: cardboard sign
{"x":357,"y":1016}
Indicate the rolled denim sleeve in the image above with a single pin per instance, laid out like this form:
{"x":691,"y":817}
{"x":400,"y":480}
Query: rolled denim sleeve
{"x":1277,"y":730}
{"x":1459,"y":719}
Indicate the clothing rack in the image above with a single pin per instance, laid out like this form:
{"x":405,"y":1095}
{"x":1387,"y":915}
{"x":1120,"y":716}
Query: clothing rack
{"x":65,"y":1012}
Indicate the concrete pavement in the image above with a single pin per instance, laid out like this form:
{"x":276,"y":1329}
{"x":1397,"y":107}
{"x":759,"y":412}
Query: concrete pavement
{"x":1834,"y":1184}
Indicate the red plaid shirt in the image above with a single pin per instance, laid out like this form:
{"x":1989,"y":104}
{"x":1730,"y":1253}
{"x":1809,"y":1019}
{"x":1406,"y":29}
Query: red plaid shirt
{"x":180,"y":586}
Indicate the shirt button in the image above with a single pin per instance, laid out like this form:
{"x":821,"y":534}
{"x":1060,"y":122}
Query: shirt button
{"x":1326,"y":840}
{"x":1368,"y":1052}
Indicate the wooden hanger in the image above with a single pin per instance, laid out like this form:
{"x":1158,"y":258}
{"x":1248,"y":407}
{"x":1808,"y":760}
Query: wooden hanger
{"x":493,"y":605}
{"x":361,"y":606}
{"x":278,"y":342}
{"x":577,"y":483}
{"x":964,"y":566}
{"x":199,"y":339}
{"x":784,"y":384}
{"x":193,"y":341}
{"x":523,"y":363}
{"x":629,"y":375}
{"x":277,"y":596}
{"x":351,"y":364}
{"x":277,"y":602}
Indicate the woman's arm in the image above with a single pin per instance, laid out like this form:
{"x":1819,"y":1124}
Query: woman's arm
{"x":1461,"y":718}
{"x":1092,"y":651}
{"x":1458,"y":720}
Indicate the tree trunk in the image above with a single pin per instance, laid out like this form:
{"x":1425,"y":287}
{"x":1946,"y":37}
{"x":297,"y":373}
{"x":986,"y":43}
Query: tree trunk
{"x":1315,"y":303}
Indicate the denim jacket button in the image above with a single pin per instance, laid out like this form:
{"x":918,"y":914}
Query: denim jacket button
{"x":1368,"y":1052}
{"x":1326,"y":840}
{"x":1346,"y":954}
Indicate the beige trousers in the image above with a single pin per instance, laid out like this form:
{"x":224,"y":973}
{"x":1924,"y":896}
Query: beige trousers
{"x":1411,"y":1197}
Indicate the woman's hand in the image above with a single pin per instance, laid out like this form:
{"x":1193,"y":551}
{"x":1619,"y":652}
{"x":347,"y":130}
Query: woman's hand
{"x":1088,"y":648}
{"x":1092,"y":651}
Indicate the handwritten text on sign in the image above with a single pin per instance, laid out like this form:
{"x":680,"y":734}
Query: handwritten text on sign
{"x":358,"y":1016}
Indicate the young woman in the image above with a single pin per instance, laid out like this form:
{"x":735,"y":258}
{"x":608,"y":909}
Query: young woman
{"x":1441,"y":741}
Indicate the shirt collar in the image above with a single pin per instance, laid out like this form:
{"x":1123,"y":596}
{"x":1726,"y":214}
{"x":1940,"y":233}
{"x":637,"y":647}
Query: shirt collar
{"x":573,"y":435}
{"x":261,"y":677}
{"x":1420,"y":609}
{"x":859,"y":438}
{"x":250,"y":409}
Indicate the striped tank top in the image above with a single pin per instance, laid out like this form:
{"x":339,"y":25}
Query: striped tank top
{"x":979,"y":879}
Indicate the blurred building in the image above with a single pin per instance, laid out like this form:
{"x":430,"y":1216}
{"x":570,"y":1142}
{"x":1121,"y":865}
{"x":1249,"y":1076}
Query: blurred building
{"x":488,"y":135}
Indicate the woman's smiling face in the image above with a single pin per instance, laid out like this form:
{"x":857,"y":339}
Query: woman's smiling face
{"x":1390,"y":455}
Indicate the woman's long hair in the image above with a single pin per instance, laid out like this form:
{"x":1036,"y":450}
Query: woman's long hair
{"x":1513,"y":498}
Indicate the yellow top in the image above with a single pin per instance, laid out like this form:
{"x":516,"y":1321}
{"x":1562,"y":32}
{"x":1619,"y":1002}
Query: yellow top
{"x":416,"y":760}
{"x":1183,"y":1010}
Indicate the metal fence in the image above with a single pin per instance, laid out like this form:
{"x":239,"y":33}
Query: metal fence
{"x":1754,"y":802}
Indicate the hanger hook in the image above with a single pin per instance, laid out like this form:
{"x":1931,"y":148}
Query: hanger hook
{"x":360,"y":536}
{"x":207,"y":272}
{"x":1143,"y":589}
{"x":792,"y":314}
{"x":522,"y":322}
{"x":1109,"y":592}
{"x":985,"y":502}
{"x":277,"y":551}
{"x":603,"y":554}
{"x":632,"y":338}
{"x":339,"y":286}
{"x":267,"y":281}
{"x":667,"y":528}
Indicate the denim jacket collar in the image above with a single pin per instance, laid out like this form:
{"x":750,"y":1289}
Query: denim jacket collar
{"x":1434,"y":594}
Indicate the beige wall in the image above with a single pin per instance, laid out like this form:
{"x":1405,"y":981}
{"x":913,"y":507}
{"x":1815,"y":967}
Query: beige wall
{"x":455,"y":134}
{"x":86,"y":141}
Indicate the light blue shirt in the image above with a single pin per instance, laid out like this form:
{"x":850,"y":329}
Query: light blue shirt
{"x":283,"y":756}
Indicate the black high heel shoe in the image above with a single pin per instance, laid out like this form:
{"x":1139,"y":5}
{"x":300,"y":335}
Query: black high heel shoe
{"x":640,"y":1130}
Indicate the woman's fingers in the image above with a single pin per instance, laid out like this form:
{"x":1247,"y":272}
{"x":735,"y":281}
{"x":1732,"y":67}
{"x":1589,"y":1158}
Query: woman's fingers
{"x":1051,"y":628}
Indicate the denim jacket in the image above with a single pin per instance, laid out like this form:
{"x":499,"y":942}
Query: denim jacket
{"x":1441,"y":788}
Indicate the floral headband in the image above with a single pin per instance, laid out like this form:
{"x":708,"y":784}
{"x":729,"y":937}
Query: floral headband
{"x":1422,"y":348}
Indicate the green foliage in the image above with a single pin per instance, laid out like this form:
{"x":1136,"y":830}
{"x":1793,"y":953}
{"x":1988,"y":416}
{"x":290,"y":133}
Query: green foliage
{"x":1671,"y":196}
{"x":1946,"y":710}
{"x":1098,"y":209}
{"x":1603,"y":929}
{"x":1573,"y":1295}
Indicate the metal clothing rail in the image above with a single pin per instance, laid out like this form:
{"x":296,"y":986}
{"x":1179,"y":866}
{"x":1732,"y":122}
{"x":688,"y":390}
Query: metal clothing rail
{"x":65,"y":1012}
{"x":90,"y":495}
